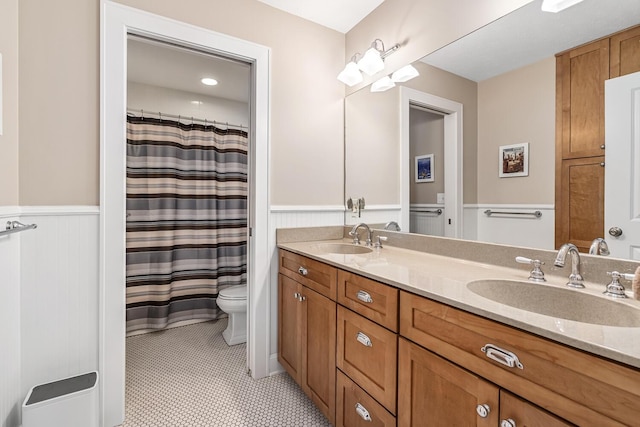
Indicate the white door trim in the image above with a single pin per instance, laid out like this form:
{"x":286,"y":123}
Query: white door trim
{"x":452,"y":153}
{"x":116,"y":22}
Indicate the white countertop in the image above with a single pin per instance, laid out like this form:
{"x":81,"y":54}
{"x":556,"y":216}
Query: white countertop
{"x":445,"y":279}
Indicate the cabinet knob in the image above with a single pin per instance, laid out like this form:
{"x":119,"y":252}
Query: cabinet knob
{"x":602,"y":146}
{"x":483,"y":410}
{"x":296,"y":295}
{"x":362,"y":411}
{"x":303,"y":271}
{"x":508,"y":423}
{"x":302,"y":298}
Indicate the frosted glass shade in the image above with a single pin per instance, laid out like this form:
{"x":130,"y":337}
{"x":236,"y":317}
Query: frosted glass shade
{"x":371,"y":62}
{"x":404,"y":74}
{"x":351,"y":74}
{"x":383,"y":84}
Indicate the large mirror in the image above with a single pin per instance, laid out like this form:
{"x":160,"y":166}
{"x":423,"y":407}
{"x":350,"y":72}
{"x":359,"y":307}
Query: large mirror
{"x":503,"y":75}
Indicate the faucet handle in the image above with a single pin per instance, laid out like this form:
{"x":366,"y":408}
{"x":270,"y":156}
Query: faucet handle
{"x":536,"y":274}
{"x":356,"y":238}
{"x":615,"y":289}
{"x":379,"y":240}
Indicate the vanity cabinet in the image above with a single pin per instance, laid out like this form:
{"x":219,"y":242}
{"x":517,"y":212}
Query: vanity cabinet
{"x":307,"y":328}
{"x":574,"y":386}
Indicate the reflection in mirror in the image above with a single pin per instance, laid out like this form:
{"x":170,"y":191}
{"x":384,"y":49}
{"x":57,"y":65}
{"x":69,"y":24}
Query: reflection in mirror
{"x":504,"y":76}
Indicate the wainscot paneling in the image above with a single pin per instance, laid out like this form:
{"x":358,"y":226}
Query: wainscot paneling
{"x":59,"y":293}
{"x":292,"y":217}
{"x":10,"y":397}
{"x":514,"y":229}
{"x":424,"y":219}
{"x":374,"y":214}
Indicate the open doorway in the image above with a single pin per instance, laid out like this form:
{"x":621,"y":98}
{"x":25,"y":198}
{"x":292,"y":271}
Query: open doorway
{"x":118,"y":22}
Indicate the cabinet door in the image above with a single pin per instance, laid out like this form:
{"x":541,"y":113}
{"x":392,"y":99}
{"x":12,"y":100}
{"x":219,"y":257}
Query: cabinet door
{"x":580,"y":208}
{"x":516,"y":412}
{"x":435,"y":392}
{"x":319,"y":351}
{"x":625,"y":52}
{"x":581,"y":73}
{"x":289,"y":331}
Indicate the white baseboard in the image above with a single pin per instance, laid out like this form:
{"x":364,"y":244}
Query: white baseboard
{"x":274,"y":366}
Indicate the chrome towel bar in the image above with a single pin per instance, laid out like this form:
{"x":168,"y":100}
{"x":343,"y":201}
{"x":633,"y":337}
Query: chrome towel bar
{"x":16,"y":227}
{"x":418,"y":210}
{"x":489,"y":212}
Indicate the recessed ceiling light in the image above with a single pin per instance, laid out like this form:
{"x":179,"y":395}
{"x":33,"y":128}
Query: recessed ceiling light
{"x":209,"y":81}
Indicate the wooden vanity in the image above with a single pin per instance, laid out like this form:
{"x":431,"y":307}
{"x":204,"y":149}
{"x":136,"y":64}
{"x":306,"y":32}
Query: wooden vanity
{"x":370,"y":354}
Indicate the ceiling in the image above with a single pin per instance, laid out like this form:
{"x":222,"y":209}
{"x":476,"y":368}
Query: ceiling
{"x":339,"y":15}
{"x":528,"y":35}
{"x":157,"y":64}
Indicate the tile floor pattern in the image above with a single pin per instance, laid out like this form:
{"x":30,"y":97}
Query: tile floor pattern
{"x":189,"y":377}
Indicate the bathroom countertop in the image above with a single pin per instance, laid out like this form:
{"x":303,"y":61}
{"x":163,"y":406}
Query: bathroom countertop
{"x":445,"y":279}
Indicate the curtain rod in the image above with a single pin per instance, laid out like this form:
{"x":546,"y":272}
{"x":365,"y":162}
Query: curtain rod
{"x":173,"y":116}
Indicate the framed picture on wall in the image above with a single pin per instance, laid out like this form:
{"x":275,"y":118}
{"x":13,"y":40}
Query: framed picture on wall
{"x":424,"y":168}
{"x":514,"y":160}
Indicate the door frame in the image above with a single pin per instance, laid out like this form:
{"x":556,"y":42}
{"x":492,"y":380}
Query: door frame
{"x":117,"y":21}
{"x":452,"y":153}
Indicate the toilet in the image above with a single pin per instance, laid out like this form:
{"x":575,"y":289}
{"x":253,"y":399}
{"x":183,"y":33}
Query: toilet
{"x":233,"y":301}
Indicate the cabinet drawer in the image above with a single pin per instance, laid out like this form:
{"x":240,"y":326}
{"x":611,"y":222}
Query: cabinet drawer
{"x":315,"y":275}
{"x":580,"y":387}
{"x":367,"y":353}
{"x":372,"y":299}
{"x":353,"y":405}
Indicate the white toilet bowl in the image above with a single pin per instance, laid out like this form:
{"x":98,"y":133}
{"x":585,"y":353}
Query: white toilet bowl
{"x":233,"y":301}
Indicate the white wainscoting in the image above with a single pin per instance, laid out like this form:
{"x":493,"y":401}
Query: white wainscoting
{"x":291,"y":217}
{"x":424,"y":219}
{"x":374,"y":214}
{"x":59,"y":293}
{"x":10,"y":397}
{"x":513,"y":229}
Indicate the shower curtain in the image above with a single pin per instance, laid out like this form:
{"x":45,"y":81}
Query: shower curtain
{"x":186,"y":220}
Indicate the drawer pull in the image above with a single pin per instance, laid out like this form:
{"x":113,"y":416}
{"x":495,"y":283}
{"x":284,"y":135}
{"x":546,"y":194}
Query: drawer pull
{"x":362,"y":411}
{"x":303,"y":271}
{"x":507,"y":423}
{"x":483,"y":410}
{"x":504,"y":357}
{"x":364,"y":340}
{"x":364,"y":297}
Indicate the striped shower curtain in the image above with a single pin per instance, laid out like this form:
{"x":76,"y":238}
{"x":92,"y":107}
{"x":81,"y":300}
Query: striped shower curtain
{"x":186,"y":220}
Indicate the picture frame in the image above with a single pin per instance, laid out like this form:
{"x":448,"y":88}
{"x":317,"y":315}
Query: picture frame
{"x":513,"y":160}
{"x":424,"y":170}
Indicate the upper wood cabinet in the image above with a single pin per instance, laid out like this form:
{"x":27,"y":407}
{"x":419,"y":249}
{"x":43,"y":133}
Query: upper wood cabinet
{"x":580,"y":77}
{"x":625,"y":52}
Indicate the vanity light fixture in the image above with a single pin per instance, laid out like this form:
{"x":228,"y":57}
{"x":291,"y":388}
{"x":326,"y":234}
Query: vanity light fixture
{"x":209,"y":81}
{"x":371,"y":63}
{"x":383,"y":84}
{"x":351,"y":74}
{"x":557,"y":5}
{"x":404,"y":74}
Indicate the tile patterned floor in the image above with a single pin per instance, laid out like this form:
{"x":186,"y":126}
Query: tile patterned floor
{"x":189,"y":377}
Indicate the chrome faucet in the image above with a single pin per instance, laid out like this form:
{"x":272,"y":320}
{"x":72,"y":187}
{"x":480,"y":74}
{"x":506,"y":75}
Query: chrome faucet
{"x":392,"y":225}
{"x":599,"y":247}
{"x":354,"y":233}
{"x":575,"y":278}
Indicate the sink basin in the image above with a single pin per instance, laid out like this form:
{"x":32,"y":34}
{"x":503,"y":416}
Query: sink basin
{"x":557,"y":302}
{"x":343,"y":248}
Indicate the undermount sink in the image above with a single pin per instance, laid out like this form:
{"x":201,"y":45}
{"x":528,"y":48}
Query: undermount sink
{"x":557,"y":302}
{"x":343,"y":248}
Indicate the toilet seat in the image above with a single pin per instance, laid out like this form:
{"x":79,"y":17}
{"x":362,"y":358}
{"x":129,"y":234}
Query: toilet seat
{"x":234,"y":293}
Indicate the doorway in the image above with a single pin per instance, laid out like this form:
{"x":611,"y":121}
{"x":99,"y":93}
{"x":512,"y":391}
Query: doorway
{"x":118,"y":22}
{"x":452,"y":152}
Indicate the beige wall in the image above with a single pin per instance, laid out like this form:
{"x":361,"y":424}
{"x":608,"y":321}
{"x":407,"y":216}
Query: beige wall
{"x":517,"y":107}
{"x":59,"y":96}
{"x":422,"y":26}
{"x":9,"y":88}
